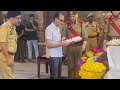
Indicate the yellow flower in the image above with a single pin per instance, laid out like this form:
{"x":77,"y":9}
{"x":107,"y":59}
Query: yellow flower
{"x":99,"y":54}
{"x":90,"y":75}
{"x":90,"y":54}
{"x":92,"y":70}
{"x":83,"y":58}
{"x":90,"y":59}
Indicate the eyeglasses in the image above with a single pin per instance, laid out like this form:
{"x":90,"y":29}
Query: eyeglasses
{"x":61,"y":20}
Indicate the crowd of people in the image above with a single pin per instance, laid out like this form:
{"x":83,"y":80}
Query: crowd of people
{"x":27,"y":40}
{"x":14,"y":36}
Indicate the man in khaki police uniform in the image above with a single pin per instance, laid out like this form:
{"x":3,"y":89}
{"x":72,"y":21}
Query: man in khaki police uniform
{"x":75,"y":50}
{"x":109,"y":31}
{"x":92,"y":29}
{"x":8,"y":43}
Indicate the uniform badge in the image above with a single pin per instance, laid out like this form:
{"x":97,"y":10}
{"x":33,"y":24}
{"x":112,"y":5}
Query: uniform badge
{"x":11,"y":32}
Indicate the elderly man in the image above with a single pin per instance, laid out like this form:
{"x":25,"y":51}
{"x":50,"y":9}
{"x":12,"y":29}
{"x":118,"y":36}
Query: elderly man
{"x":54,"y":44}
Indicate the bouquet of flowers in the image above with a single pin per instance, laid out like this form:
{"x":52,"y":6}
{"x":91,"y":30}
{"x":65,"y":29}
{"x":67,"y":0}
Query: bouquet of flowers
{"x":91,"y":66}
{"x":113,"y":42}
{"x":72,"y":39}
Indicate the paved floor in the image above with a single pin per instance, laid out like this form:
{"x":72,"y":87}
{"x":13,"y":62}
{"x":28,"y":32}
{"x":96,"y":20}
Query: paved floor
{"x":29,"y":71}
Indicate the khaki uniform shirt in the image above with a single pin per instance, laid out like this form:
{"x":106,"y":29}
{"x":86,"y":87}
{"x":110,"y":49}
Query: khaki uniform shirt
{"x":62,"y":28}
{"x":78,"y":29}
{"x":92,"y":29}
{"x":8,"y":35}
{"x":109,"y":29}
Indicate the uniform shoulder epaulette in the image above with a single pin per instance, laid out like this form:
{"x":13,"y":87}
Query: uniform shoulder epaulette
{"x":81,"y":21}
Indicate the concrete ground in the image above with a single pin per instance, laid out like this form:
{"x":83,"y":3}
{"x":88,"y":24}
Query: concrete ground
{"x":29,"y":71}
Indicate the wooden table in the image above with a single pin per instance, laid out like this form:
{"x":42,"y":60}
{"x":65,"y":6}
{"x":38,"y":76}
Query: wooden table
{"x":42,"y":59}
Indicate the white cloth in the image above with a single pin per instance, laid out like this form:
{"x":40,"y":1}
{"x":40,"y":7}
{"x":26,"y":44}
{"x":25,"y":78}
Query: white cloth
{"x":113,"y":54}
{"x":113,"y":74}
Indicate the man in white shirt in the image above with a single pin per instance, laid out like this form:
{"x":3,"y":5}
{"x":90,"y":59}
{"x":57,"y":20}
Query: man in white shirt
{"x":54,"y":45}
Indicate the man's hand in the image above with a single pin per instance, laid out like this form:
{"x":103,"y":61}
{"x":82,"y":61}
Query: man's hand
{"x":34,"y":27}
{"x":64,"y":44}
{"x":10,"y":61}
{"x":104,"y":45}
{"x":31,"y":21}
{"x":63,"y":38}
{"x":84,"y":46}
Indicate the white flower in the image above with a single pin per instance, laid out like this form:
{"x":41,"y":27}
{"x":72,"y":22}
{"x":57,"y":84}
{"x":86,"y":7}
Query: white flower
{"x":74,"y":39}
{"x":114,"y":42}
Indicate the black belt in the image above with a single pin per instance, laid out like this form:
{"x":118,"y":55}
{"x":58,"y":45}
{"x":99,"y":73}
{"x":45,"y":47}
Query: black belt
{"x":92,"y":36}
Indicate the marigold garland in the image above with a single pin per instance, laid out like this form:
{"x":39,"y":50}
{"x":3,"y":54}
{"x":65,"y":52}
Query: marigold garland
{"x":92,"y":69}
